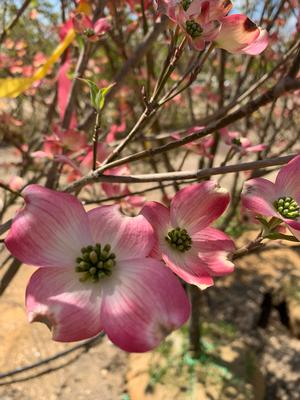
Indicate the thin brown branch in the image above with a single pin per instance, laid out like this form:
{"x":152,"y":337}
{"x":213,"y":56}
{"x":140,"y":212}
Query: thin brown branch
{"x":9,"y":275}
{"x":137,"y":55}
{"x":284,"y":85}
{"x":181,"y":175}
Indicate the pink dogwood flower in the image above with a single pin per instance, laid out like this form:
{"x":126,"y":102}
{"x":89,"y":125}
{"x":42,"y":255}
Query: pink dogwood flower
{"x":240,"y":144}
{"x":280,"y":199}
{"x":84,"y":25}
{"x":208,"y":21}
{"x":238,"y":34}
{"x":191,"y":248}
{"x":94,"y":273}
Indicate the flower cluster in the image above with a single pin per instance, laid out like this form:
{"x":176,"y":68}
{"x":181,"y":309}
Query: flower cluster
{"x":84,"y":26}
{"x":240,"y":144}
{"x":102,"y":270}
{"x":279,"y":200}
{"x":206,"y":21}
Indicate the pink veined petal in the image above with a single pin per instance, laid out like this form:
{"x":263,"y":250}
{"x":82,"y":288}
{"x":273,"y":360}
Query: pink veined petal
{"x":214,"y":9}
{"x":196,"y":206}
{"x":211,"y":30}
{"x":144,"y":304}
{"x":102,"y":26}
{"x":179,"y":16}
{"x":129,"y":237}
{"x":237,"y":32}
{"x":259,"y":45}
{"x":189,"y":268}
{"x":194,"y":9}
{"x":50,"y":230}
{"x":213,"y":248}
{"x":211,"y":240}
{"x":71,"y":309}
{"x":218,"y":263}
{"x":258,"y":196}
{"x":208,"y":257}
{"x":159,"y":217}
{"x":294,"y":225}
{"x":196,"y":44}
{"x":172,"y":13}
{"x":287,"y":181}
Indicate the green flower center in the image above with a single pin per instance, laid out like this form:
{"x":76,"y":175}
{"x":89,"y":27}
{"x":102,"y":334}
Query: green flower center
{"x":193,"y":28}
{"x":236,"y":141}
{"x":185,"y":4}
{"x":95,"y":263}
{"x":287,"y":207}
{"x":89,"y":32}
{"x":179,"y":239}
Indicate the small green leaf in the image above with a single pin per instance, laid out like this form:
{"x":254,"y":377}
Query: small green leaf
{"x":274,"y":222}
{"x":97,"y":95}
{"x":93,"y":90}
{"x":277,"y":235}
{"x":263,"y":221}
{"x":100,"y":97}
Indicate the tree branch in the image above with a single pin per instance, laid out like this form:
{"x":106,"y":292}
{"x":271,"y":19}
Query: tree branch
{"x":284,"y":85}
{"x":181,"y":175}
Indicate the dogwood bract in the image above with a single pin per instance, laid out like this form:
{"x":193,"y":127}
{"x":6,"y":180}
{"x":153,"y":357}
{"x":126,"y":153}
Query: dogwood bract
{"x":280,"y":199}
{"x":207,"y":21}
{"x":184,"y":240}
{"x":94,"y":272}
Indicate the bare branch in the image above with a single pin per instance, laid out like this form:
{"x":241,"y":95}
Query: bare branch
{"x":181,"y":175}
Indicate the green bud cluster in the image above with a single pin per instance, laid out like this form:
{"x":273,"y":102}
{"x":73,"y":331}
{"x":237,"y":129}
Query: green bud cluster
{"x":185,"y":4}
{"x":287,"y":207}
{"x":95,"y":263}
{"x":179,"y":239}
{"x":236,"y":141}
{"x":89,"y":32}
{"x":193,"y":28}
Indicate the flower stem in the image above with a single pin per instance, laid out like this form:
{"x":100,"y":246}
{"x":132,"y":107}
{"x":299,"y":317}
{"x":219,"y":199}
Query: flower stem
{"x":95,"y":139}
{"x":194,"y":325}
